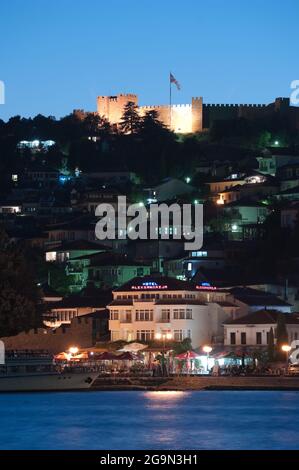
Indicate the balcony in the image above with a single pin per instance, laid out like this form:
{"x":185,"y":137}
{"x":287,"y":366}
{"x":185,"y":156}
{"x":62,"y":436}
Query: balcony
{"x":74,"y":270}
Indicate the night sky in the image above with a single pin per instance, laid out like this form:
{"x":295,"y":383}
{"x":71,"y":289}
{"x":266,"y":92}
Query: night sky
{"x":57,"y":55}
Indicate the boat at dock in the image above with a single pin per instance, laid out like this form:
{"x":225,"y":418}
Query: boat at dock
{"x":26,"y":371}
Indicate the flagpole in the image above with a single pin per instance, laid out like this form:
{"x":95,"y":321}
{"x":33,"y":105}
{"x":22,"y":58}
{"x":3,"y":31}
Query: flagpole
{"x":170,"y":100}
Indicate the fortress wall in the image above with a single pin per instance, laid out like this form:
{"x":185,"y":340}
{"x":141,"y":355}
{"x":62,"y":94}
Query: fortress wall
{"x":55,"y":341}
{"x":180,"y":118}
{"x":162,"y":110}
{"x":197,"y":116}
{"x":214,"y":112}
{"x":82,"y":332}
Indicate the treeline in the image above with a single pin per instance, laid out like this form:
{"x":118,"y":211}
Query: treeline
{"x":140,"y":144}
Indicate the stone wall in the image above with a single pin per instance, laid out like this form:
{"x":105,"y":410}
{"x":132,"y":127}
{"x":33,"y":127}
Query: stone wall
{"x":83,"y":332}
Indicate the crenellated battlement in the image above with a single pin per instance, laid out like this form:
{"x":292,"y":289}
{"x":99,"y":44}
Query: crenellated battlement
{"x":164,"y":106}
{"x":128,"y":95}
{"x":119,"y":96}
{"x":214,"y":105}
{"x":149,"y":107}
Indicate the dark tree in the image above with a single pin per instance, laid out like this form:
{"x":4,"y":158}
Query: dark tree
{"x":130,"y":121}
{"x":281,"y":335}
{"x":271,"y":347}
{"x":19,"y":295}
{"x":95,"y":125}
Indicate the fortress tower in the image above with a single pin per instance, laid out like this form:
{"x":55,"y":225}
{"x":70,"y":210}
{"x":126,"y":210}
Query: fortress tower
{"x":112,"y":107}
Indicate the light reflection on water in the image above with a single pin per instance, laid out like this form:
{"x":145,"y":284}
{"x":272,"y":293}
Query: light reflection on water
{"x":150,"y":420}
{"x":164,"y":399}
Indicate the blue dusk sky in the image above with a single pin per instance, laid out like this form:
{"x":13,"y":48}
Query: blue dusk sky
{"x":57,"y":55}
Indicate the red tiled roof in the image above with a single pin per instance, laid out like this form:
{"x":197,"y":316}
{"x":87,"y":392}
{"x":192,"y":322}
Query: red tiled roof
{"x":265,"y":317}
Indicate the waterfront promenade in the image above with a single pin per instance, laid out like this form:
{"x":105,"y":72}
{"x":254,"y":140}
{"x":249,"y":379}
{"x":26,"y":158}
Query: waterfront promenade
{"x":197,"y":383}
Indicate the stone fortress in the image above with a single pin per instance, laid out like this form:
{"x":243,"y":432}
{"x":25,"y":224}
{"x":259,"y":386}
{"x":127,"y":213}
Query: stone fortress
{"x":197,"y":116}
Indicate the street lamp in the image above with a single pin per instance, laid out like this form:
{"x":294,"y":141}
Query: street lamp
{"x":73,"y":350}
{"x":207,"y":349}
{"x":286,"y":348}
{"x":164,"y":337}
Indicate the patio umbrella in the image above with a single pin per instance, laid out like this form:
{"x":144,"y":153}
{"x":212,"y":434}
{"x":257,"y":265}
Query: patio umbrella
{"x":107,"y":356}
{"x":133,"y":347}
{"x":126,"y":356}
{"x":187,"y":355}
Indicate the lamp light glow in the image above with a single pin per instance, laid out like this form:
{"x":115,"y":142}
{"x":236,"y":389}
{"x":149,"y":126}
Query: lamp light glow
{"x":73,"y":350}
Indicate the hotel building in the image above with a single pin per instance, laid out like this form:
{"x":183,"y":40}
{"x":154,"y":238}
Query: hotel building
{"x":151,"y":305}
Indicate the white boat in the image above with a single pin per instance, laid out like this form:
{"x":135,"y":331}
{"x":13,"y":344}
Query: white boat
{"x":23,"y":372}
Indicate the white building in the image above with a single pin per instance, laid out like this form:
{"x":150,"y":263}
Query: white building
{"x":254,"y":329}
{"x":151,"y":305}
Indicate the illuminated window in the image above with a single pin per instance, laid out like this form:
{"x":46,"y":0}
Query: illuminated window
{"x":145,"y":335}
{"x":51,"y":256}
{"x":114,"y":315}
{"x":144,"y":315}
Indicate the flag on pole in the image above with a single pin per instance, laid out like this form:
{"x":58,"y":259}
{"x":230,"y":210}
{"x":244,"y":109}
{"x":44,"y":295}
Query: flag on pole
{"x":174,"y":80}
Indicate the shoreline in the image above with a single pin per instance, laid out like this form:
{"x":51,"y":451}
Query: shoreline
{"x":264,"y":383}
{"x":183,"y":384}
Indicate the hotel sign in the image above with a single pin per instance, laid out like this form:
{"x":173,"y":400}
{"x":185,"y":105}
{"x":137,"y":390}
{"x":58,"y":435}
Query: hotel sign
{"x":206,"y":286}
{"x":150,"y":285}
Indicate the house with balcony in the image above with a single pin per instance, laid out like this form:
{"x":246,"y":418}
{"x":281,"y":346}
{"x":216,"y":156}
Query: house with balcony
{"x":103,"y":269}
{"x":254,"y":191}
{"x":246,"y":211}
{"x":63,"y":311}
{"x":271,"y":159}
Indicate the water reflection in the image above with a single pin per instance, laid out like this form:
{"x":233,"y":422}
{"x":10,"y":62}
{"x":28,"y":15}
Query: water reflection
{"x":164,"y":399}
{"x":172,"y":395}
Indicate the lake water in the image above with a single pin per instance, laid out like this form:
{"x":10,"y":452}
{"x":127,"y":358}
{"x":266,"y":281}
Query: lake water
{"x":150,"y":420}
